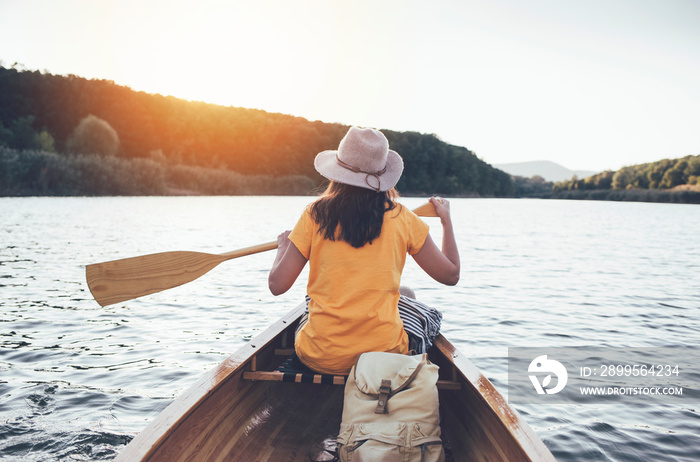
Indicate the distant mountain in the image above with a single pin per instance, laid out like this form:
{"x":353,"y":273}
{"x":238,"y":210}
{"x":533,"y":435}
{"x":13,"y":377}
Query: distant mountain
{"x":548,"y":170}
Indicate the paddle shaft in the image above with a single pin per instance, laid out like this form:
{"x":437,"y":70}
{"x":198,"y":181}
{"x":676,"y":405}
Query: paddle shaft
{"x":129,"y":278}
{"x":425,"y":210}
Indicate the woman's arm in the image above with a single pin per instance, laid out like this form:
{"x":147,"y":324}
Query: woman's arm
{"x":288,"y":264}
{"x":443,"y":266}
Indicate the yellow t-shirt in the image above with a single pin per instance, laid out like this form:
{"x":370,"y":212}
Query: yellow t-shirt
{"x":355,"y":292}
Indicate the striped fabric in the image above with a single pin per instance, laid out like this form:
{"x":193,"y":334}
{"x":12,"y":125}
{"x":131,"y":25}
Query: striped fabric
{"x":421,"y":323}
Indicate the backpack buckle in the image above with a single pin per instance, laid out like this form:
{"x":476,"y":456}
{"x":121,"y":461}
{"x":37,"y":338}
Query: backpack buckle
{"x":382,"y":400}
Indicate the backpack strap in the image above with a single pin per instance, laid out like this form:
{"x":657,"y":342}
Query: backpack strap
{"x":385,"y":391}
{"x":383,"y":398}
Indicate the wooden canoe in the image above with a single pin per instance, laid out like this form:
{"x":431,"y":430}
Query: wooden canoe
{"x":243,"y":411}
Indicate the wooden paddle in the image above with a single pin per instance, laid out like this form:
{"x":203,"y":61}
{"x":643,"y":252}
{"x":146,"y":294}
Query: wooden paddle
{"x":121,"y":280}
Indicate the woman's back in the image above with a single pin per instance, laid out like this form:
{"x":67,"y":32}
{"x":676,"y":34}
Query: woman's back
{"x":354,"y":291}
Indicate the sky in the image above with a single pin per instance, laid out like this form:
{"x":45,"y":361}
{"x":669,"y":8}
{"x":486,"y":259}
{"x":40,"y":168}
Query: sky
{"x":591,"y":85}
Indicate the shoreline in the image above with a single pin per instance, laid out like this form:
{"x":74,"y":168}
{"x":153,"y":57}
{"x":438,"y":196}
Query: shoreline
{"x":670,"y":196}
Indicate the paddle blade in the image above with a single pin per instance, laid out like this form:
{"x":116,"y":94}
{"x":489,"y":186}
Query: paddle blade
{"x":425,"y":210}
{"x":121,"y":280}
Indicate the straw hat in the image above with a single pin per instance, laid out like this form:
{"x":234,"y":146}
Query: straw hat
{"x":363,"y":159}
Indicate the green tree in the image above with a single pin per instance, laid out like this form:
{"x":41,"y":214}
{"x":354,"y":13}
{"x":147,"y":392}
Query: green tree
{"x":93,"y":136}
{"x":23,"y":133}
{"x":639,"y":180}
{"x":693,"y":167}
{"x":622,"y":178}
{"x":604,"y":180}
{"x":674,"y":176}
{"x":44,"y":141}
{"x":655,"y":173}
{"x":5,"y":135}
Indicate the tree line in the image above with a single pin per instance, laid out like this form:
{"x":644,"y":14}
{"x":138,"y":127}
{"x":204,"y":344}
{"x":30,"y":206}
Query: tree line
{"x":667,"y":180}
{"x":663,"y":174}
{"x":64,"y":134}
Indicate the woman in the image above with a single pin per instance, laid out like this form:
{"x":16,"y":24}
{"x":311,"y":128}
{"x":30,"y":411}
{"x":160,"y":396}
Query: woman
{"x":356,"y":237}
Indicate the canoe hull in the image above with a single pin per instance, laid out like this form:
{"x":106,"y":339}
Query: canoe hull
{"x":225,"y":417}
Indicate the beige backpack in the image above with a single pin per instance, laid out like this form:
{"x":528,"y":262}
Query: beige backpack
{"x":391,"y":410}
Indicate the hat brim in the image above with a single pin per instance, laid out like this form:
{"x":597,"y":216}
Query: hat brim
{"x":327,"y":165}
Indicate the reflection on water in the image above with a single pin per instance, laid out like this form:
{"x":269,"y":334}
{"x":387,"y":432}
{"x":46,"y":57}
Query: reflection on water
{"x":78,"y":381}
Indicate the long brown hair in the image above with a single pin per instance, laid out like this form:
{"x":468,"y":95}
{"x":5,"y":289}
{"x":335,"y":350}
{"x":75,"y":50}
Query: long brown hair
{"x":352,"y":214}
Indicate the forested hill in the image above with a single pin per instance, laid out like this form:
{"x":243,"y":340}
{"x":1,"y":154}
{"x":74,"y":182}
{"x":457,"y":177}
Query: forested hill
{"x":667,"y":180}
{"x":663,"y":174}
{"x":85,"y":127}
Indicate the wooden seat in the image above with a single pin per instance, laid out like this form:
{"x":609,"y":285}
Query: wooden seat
{"x":288,"y":371}
{"x":291,"y":370}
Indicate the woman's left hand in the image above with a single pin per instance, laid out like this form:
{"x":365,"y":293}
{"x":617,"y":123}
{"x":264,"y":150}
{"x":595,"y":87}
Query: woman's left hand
{"x":283,"y":240}
{"x":287,"y":265}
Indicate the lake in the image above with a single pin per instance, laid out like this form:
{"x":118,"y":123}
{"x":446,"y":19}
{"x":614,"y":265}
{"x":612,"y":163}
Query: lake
{"x":78,"y":381}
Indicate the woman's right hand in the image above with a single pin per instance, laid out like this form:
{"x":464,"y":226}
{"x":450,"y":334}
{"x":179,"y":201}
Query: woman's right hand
{"x":442,"y":209}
